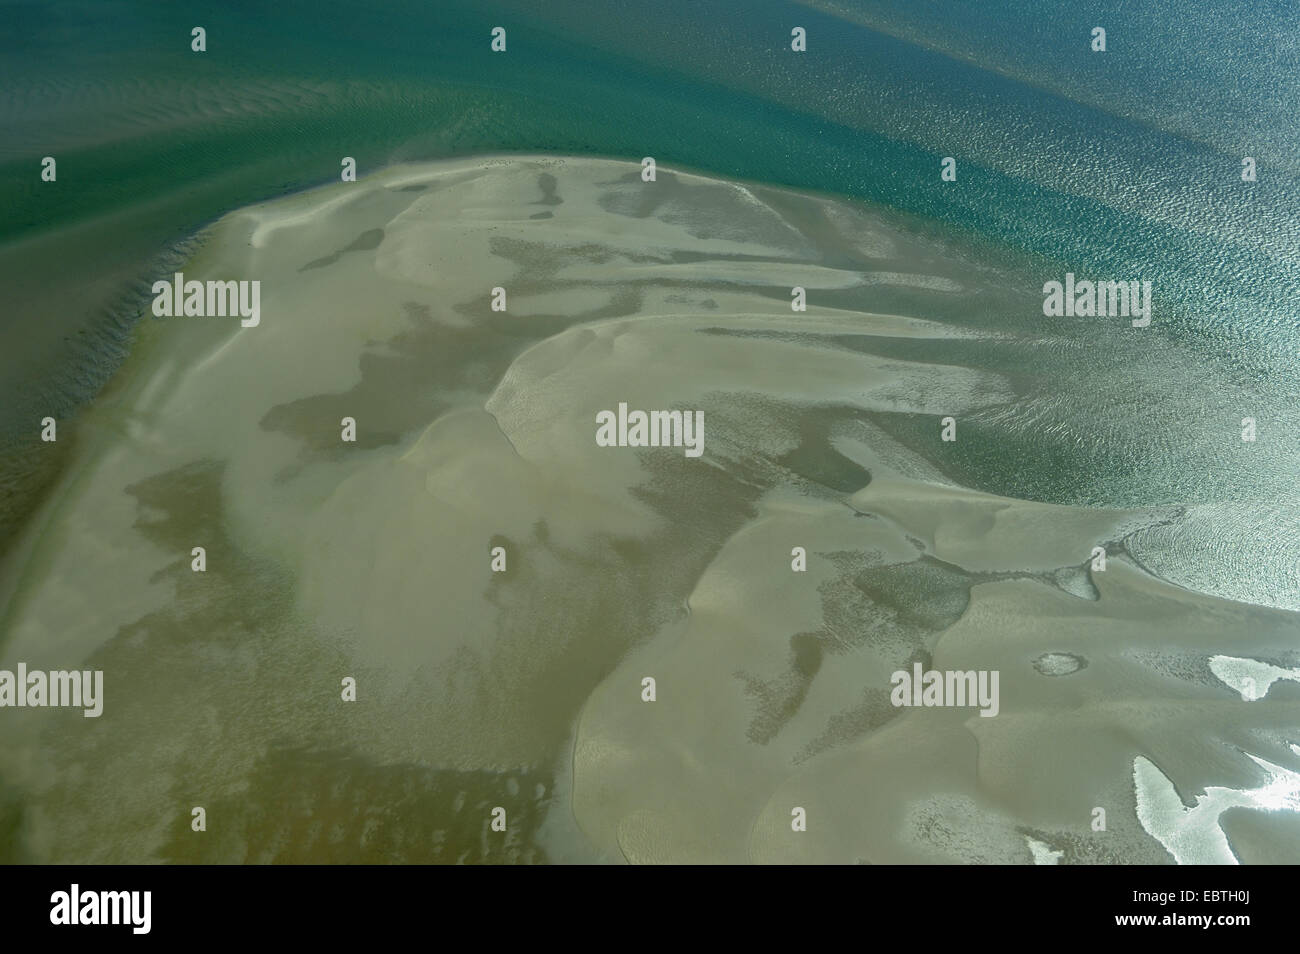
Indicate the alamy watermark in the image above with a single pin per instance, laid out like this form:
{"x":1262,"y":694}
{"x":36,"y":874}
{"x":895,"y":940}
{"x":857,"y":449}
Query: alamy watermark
{"x":1088,"y":299}
{"x":948,"y":688}
{"x":74,"y":906}
{"x":212,"y":298}
{"x":57,"y":688}
{"x":651,"y":429}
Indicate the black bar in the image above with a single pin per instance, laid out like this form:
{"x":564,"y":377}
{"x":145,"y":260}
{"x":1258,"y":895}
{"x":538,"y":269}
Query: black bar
{"x":302,"y":905}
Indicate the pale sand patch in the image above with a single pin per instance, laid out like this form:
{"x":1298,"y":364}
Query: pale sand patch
{"x":731,"y":273}
{"x":1250,"y":677}
{"x":1193,"y":835}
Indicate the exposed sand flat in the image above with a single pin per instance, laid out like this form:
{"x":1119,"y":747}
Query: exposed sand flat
{"x":475,"y":429}
{"x":982,"y":533}
{"x":798,"y":710}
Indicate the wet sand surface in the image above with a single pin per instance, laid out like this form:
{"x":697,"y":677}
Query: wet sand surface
{"x":523,"y":689}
